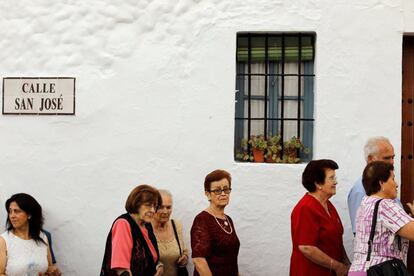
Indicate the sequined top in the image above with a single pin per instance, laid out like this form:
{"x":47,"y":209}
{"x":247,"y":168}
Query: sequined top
{"x":210,"y":241}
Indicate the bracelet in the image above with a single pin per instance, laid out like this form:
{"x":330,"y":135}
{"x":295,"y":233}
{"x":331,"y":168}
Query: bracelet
{"x":330,"y":266}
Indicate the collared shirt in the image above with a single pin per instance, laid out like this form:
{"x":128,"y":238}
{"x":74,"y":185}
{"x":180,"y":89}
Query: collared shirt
{"x":391,"y":218}
{"x":312,"y":225}
{"x":355,"y":196}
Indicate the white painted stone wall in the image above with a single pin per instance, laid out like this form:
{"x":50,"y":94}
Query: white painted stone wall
{"x":155,"y":104}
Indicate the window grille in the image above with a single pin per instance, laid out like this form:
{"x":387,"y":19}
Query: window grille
{"x":275,"y":94}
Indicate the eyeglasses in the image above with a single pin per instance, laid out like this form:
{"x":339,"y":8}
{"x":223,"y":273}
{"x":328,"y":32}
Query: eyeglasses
{"x":332,"y":178}
{"x":151,"y":205}
{"x":219,"y":191}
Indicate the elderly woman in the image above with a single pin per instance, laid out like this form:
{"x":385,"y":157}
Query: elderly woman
{"x":316,"y":227}
{"x":214,"y":243}
{"x":173,"y":253}
{"x":131,"y":247}
{"x":24,"y":248}
{"x":392,"y":220}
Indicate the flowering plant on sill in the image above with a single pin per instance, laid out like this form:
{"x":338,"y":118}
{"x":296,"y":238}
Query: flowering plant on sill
{"x":244,"y":155}
{"x":269,"y":149}
{"x":274,"y":147}
{"x":291,"y":149}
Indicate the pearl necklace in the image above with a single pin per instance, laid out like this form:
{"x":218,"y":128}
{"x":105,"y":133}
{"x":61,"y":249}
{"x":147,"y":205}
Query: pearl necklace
{"x":226,"y":223}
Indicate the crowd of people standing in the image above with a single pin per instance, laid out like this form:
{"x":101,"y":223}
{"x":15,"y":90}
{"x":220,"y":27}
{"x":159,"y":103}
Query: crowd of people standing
{"x":380,"y":225}
{"x":147,"y":241}
{"x":156,"y":245}
{"x":144,"y":241}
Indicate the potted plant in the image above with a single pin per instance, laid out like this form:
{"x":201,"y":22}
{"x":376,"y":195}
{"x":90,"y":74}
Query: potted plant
{"x":274,"y":148}
{"x":259,"y":145}
{"x":244,"y":155}
{"x":291,"y":149}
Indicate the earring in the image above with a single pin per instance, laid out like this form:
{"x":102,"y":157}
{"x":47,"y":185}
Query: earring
{"x":320,"y":188}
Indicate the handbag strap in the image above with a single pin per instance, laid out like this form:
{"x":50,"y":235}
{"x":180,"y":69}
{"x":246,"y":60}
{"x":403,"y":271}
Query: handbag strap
{"x":176,"y":235}
{"x":371,"y":235}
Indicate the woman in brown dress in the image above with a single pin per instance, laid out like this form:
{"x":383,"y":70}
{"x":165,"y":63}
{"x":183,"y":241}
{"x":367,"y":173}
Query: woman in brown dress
{"x":214,"y":243}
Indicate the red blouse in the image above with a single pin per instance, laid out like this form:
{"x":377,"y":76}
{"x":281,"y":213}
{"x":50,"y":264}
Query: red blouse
{"x":210,"y":241}
{"x":311,"y":225}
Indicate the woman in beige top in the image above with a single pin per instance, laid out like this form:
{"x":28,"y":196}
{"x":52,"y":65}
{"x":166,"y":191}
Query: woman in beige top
{"x":164,"y":232}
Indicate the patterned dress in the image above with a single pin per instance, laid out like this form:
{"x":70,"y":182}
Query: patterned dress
{"x":218,"y":247}
{"x":391,"y":217}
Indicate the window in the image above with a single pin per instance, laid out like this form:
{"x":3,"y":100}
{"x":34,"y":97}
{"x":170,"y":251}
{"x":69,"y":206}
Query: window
{"x":274,"y":96}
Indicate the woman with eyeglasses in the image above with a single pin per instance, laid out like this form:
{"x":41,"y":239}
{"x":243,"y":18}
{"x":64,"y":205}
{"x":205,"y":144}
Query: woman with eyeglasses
{"x":214,"y":242}
{"x":131,"y":247}
{"x":316,"y":228}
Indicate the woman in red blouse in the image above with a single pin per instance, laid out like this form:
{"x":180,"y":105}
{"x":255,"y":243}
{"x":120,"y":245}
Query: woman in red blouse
{"x":214,"y":243}
{"x":316,"y":227}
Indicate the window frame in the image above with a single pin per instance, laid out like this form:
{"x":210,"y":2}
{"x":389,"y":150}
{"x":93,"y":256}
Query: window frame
{"x":305,"y":80}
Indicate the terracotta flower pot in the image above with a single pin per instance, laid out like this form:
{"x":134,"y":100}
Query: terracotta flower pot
{"x":258,"y":155}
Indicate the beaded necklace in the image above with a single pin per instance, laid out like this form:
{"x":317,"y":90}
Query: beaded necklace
{"x":226,"y":223}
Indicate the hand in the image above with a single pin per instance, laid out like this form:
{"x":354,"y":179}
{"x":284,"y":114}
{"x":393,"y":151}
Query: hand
{"x":160,"y":271}
{"x":411,"y":206}
{"x":53,"y":270}
{"x":182,"y":260}
{"x":341,"y":269}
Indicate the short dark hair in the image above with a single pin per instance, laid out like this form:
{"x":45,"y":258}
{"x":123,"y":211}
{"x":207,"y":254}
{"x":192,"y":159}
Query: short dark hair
{"x":140,"y":195}
{"x":374,"y":173}
{"x":216,"y":176}
{"x":33,"y":209}
{"x":315,"y":173}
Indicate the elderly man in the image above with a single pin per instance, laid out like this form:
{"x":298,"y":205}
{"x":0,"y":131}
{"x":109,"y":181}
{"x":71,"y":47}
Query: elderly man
{"x":375,"y":149}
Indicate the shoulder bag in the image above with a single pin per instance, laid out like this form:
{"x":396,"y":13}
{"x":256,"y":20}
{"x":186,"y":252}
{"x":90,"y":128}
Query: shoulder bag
{"x":393,"y":267}
{"x":181,"y":270}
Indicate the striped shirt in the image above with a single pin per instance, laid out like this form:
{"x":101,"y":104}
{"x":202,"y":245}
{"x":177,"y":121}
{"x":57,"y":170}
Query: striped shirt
{"x":391,"y":217}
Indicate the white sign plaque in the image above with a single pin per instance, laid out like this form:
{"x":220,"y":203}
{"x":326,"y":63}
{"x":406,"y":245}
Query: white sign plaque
{"x":39,"y":96}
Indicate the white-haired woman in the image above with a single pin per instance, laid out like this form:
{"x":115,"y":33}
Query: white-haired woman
{"x":173,"y":252}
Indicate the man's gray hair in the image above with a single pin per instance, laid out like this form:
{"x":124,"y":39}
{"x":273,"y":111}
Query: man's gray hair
{"x":165,"y":192}
{"x":371,"y":146}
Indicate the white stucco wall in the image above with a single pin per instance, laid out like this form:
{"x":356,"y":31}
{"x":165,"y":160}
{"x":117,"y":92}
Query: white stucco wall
{"x":155,"y":84}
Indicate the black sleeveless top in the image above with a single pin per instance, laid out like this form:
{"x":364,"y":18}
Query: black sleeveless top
{"x":142,"y":262}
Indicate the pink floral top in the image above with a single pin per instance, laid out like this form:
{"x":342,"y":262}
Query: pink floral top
{"x":391,"y":217}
